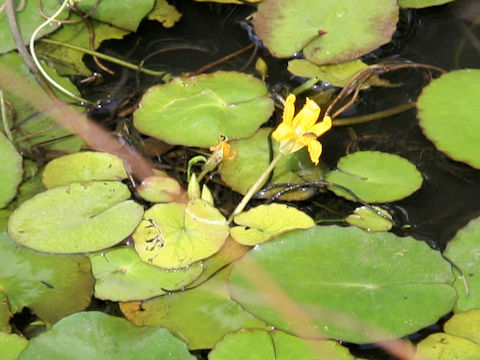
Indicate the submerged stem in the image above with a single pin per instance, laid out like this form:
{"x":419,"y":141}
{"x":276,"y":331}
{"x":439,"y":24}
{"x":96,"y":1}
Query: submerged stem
{"x":255,"y":187}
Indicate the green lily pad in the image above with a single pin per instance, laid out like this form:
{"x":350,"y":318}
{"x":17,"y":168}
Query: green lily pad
{"x":95,"y":335}
{"x":11,"y":345}
{"x":251,"y":344}
{"x":465,"y":325}
{"x":69,"y":61}
{"x":199,"y":316}
{"x":27,"y":189}
{"x":366,"y":219}
{"x":419,"y":4}
{"x":195,"y":111}
{"x":5,"y":315}
{"x":164,"y":13}
{"x":394,"y":293}
{"x":464,"y":251}
{"x":159,"y":188}
{"x":263,"y":222}
{"x":76,"y":218}
{"x":327,"y":31}
{"x":11,"y":170}
{"x":175,"y":235}
{"x":82,"y":167}
{"x":253,"y":158}
{"x":29,"y":18}
{"x":375,"y":176}
{"x":335,"y":74}
{"x":441,"y":346}
{"x":52,"y":286}
{"x":248,"y":344}
{"x":449,"y":115}
{"x":124,"y":14}
{"x":122,"y":276}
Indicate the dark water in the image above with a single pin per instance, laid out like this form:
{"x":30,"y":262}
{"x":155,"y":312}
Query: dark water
{"x":450,"y":196}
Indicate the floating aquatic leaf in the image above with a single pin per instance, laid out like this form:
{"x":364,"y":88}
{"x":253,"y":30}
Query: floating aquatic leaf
{"x":125,"y":14}
{"x":164,"y":13}
{"x":28,"y":18}
{"x":251,"y":344}
{"x":263,"y":222}
{"x":11,"y":345}
{"x":195,"y":111}
{"x":159,"y":188}
{"x":327,"y":31}
{"x":449,"y":115}
{"x":441,"y":346}
{"x":464,"y":251}
{"x":82,"y":167}
{"x":69,"y":61}
{"x":465,"y":325}
{"x":253,"y":158}
{"x":11,"y":170}
{"x":5,"y":315}
{"x":76,"y":218}
{"x":199,"y":316}
{"x":335,"y":74}
{"x":375,"y":176}
{"x":367,"y":219}
{"x":175,"y":235}
{"x":121,"y":276}
{"x":394,"y":294}
{"x":95,"y":335}
{"x":52,"y":286}
{"x":418,"y":4}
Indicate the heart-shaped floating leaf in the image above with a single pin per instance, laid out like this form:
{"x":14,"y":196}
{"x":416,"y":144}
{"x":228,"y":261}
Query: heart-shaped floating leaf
{"x":460,"y":341}
{"x":375,"y":176}
{"x":76,"y":218}
{"x":11,"y":170}
{"x":327,"y":31}
{"x":164,"y":13}
{"x":263,"y":222}
{"x":52,"y":286}
{"x":196,"y":111}
{"x":188,"y":314}
{"x":95,"y":335}
{"x":335,"y":74}
{"x":261,"y":344}
{"x":122,"y":276}
{"x":175,"y":235}
{"x":370,"y":220}
{"x":464,"y":251}
{"x":11,"y":345}
{"x":82,"y":167}
{"x":418,"y":4}
{"x":448,"y":109}
{"x":29,"y":18}
{"x":125,"y":15}
{"x":253,"y":158}
{"x":159,"y":188}
{"x":393,"y":293}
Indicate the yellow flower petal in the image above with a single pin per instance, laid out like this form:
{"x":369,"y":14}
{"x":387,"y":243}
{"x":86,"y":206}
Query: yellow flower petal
{"x":289,"y":109}
{"x":283,"y":132}
{"x":314,"y":150}
{"x":322,"y":127}
{"x":307,"y":116}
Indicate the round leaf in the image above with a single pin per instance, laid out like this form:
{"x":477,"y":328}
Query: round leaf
{"x":327,"y":31}
{"x":11,"y":345}
{"x":465,"y":325}
{"x":52,"y":286}
{"x":82,"y":167}
{"x":367,"y":219}
{"x":122,"y":276}
{"x":10,"y":170}
{"x":200,"y":316}
{"x":443,"y":346}
{"x":248,"y":344}
{"x":263,"y":222}
{"x":253,"y":158}
{"x":95,"y":335}
{"x":175,"y":235}
{"x":76,"y":218}
{"x":464,"y":251}
{"x":448,"y":109}
{"x":323,"y":269}
{"x":196,"y":111}
{"x":159,"y":188}
{"x":375,"y":176}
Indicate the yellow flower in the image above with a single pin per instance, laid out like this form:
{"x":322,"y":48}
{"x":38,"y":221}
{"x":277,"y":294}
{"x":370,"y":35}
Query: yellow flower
{"x":296,"y":132}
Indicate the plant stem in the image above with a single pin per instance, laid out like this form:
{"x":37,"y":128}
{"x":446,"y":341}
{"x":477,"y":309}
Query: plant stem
{"x":375,"y":116}
{"x":254,"y":188}
{"x":166,"y":76}
{"x":6,"y":126}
